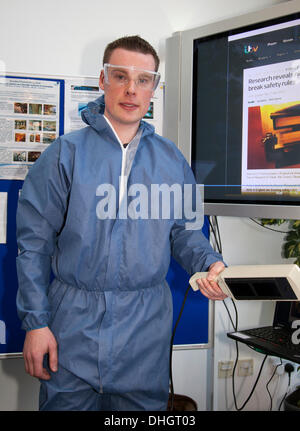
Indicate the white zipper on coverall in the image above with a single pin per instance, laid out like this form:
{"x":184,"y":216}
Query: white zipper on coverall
{"x":123,"y":178}
{"x":124,"y":175}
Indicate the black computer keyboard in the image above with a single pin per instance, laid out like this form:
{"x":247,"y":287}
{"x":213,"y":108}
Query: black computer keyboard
{"x":279,"y":336}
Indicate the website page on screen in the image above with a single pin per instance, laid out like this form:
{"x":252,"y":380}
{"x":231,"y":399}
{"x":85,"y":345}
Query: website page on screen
{"x":271,"y":110}
{"x":246,"y":118}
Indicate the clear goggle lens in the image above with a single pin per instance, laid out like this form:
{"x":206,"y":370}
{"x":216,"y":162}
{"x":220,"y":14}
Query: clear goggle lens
{"x":122,"y":75}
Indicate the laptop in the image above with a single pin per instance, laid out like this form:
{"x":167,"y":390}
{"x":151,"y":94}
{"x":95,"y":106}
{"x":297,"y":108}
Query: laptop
{"x":276,"y":340}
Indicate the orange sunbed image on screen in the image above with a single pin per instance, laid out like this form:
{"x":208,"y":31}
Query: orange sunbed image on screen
{"x":274,"y":136}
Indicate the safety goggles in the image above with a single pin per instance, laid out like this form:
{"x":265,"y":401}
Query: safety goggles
{"x":120,"y":76}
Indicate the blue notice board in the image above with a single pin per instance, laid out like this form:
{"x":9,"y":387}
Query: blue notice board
{"x":11,"y":334}
{"x":12,"y":337}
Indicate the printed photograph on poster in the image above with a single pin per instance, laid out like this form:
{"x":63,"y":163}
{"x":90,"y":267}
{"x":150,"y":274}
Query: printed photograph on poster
{"x":29,"y":121}
{"x":154,"y":115}
{"x":78,"y":93}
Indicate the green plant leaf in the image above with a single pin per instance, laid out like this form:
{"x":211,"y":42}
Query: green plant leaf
{"x":291,"y":242}
{"x":272,"y":221}
{"x":296,"y":224}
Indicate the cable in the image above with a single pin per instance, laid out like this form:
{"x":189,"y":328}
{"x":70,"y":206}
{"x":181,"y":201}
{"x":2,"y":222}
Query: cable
{"x":219,"y":235}
{"x":235,"y":326}
{"x":171,"y":346}
{"x":269,"y":228}
{"x":289,"y":368}
{"x":236,"y":315}
{"x":233,"y":374}
{"x":254,"y":386}
{"x":273,"y":374}
{"x":216,"y":237}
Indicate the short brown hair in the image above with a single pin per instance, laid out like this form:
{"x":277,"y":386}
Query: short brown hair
{"x":131,"y":43}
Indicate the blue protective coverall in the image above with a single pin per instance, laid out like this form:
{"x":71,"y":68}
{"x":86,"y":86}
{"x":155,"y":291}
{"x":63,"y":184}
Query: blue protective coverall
{"x":109,"y":306}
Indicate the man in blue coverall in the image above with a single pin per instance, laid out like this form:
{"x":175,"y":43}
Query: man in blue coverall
{"x":98,"y":335}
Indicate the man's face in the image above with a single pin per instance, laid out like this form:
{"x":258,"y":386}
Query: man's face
{"x":127,"y":104}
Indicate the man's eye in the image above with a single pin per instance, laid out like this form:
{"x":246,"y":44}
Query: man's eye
{"x":144,"y":80}
{"x":120,"y":77}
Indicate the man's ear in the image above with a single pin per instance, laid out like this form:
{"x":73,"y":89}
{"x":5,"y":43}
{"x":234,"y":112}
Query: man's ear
{"x":101,"y":80}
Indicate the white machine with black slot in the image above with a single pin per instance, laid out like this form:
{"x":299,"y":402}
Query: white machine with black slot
{"x":257,"y":282}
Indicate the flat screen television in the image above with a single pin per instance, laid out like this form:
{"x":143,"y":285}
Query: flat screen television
{"x":232,"y":105}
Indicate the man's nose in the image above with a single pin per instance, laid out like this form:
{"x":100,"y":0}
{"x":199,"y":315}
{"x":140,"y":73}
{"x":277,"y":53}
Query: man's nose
{"x":131,"y":86}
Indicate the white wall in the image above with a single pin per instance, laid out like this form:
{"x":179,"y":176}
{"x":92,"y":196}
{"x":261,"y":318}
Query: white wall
{"x":68,"y":38}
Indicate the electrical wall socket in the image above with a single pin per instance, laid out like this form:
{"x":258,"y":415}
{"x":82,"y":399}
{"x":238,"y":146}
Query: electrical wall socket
{"x":245,"y":367}
{"x":274,"y":360}
{"x":225,"y":369}
{"x":280,"y":364}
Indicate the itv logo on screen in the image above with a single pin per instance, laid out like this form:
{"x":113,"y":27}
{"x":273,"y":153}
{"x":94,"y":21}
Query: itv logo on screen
{"x":2,"y":332}
{"x":250,"y":49}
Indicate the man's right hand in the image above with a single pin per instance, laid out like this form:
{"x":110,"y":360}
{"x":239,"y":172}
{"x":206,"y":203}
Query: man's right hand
{"x":39,"y":342}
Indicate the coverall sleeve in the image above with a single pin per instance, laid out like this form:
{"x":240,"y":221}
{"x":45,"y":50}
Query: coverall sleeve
{"x":190,"y":248}
{"x":40,"y":217}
